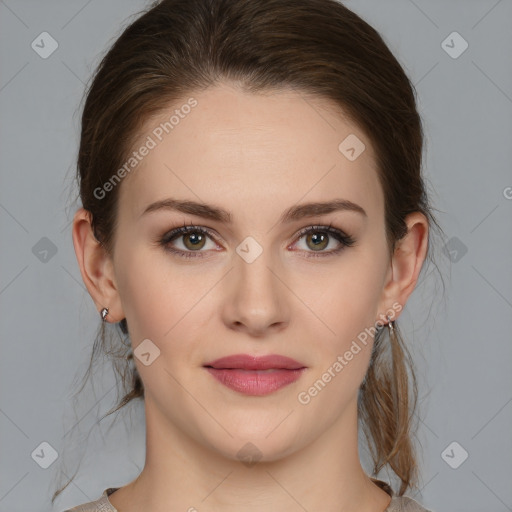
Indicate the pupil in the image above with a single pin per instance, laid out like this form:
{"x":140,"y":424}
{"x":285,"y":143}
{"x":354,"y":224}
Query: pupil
{"x":318,"y":238}
{"x":196,"y":237}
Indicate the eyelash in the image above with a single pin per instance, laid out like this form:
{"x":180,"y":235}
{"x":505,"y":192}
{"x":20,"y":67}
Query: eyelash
{"x":345,"y":240}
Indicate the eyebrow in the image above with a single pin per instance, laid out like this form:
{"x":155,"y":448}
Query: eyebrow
{"x":216,"y":213}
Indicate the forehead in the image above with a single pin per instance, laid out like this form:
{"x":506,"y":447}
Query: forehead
{"x":252,"y":152}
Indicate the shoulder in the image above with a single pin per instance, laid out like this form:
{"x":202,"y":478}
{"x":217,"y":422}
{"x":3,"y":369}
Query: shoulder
{"x":405,"y":504}
{"x":102,"y":504}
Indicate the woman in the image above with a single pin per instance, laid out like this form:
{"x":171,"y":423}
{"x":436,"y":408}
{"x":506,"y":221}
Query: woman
{"x":254,"y":219}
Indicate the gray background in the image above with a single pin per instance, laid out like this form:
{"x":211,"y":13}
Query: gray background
{"x":461,"y":341}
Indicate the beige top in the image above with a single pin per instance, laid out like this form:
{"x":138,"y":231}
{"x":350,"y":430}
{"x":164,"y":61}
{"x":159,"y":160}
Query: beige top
{"x":102,"y":504}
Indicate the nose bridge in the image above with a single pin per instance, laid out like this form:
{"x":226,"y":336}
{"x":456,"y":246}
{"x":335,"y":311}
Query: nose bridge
{"x":252,"y":270}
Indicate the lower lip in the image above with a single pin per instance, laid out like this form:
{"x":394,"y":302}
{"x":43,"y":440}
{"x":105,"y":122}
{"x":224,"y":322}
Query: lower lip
{"x":255,"y":382}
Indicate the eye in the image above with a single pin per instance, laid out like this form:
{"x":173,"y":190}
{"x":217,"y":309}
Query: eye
{"x":191,"y":238}
{"x":194,"y":238}
{"x":318,"y":238}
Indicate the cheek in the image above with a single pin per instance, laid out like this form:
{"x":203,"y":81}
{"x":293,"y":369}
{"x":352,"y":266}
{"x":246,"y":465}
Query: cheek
{"x":153,"y":294}
{"x":347,"y":306}
{"x":347,"y":310}
{"x":167,"y":303}
{"x":346,"y":298}
{"x":160,"y":303}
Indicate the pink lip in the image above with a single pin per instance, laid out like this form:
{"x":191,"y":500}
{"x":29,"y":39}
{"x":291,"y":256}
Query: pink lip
{"x":245,"y":373}
{"x":247,"y":362}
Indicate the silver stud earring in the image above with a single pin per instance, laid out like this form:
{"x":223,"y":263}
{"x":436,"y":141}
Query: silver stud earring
{"x":104,"y":313}
{"x":390,"y":325}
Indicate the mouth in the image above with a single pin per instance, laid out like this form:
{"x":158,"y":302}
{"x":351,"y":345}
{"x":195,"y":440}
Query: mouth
{"x":268,"y":370}
{"x":257,"y":376}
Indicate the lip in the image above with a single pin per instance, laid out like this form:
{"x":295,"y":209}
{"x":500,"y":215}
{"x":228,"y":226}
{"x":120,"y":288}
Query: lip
{"x":257,"y":376}
{"x":248,"y":362}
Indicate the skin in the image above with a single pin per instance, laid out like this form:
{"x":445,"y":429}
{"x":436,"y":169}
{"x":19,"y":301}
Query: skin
{"x":254,"y":155}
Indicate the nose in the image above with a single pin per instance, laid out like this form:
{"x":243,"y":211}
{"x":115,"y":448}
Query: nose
{"x":256,"y":299}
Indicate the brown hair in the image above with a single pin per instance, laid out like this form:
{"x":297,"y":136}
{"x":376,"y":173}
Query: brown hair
{"x":312,"y":46}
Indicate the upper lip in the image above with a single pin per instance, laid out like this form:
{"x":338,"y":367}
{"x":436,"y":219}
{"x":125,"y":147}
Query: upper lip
{"x":248,"y":362}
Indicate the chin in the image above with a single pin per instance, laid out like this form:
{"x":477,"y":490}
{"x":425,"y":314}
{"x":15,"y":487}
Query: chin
{"x":252,"y":445}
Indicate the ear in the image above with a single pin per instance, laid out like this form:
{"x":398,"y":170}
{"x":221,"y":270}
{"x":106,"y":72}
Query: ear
{"x":96,"y":267}
{"x":406,"y":263}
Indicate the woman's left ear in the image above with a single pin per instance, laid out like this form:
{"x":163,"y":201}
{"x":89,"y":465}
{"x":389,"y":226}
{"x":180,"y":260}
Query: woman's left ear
{"x":406,"y":262}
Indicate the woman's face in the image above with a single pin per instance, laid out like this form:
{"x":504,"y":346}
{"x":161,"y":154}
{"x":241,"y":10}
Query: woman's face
{"x":254,"y":285}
